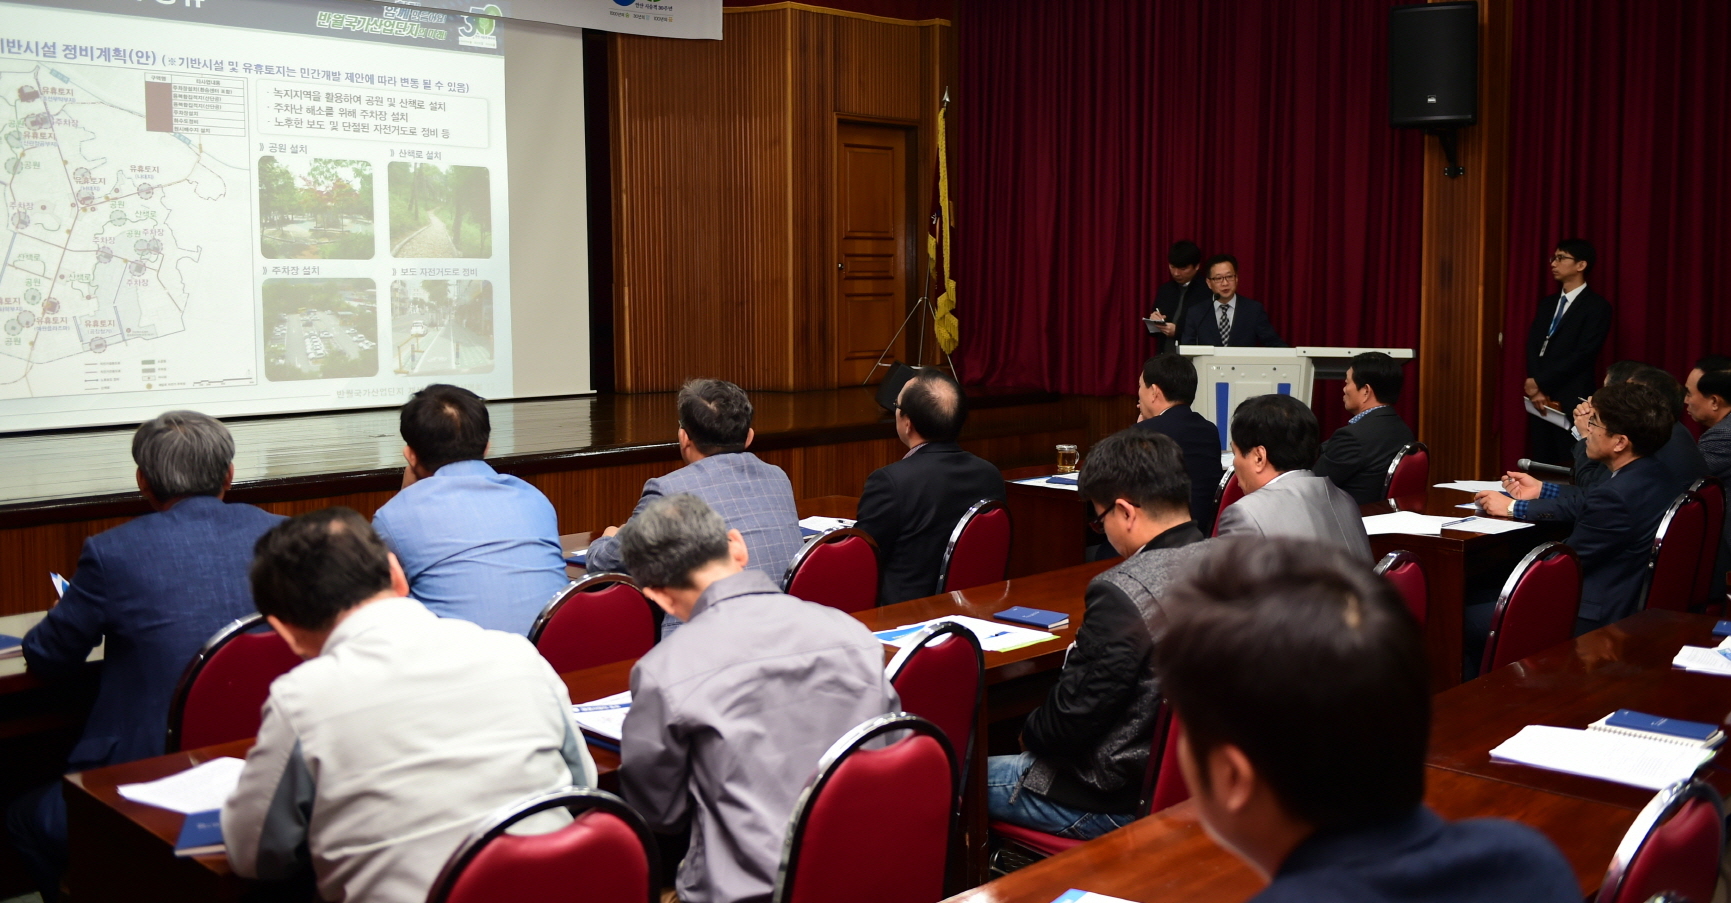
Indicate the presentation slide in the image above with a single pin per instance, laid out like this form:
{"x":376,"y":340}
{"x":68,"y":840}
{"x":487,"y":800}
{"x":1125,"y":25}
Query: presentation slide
{"x":250,"y":207}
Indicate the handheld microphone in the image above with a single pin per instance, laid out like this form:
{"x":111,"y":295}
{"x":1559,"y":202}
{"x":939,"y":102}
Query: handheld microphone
{"x":1537,"y":469}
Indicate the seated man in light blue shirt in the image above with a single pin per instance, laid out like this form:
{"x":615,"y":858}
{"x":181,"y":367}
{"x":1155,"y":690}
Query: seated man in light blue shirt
{"x":751,"y":495}
{"x":475,"y":544}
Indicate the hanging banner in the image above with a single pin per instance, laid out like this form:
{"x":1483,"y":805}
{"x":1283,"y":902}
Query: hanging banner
{"x":695,"y":19}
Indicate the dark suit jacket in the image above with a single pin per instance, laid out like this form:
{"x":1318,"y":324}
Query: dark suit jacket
{"x":910,"y":507}
{"x":156,"y":587}
{"x":1174,"y":302}
{"x":1565,"y":372}
{"x":1681,"y":457}
{"x":1250,"y":326}
{"x":1357,"y":456}
{"x":1200,"y":442}
{"x":1613,"y":535}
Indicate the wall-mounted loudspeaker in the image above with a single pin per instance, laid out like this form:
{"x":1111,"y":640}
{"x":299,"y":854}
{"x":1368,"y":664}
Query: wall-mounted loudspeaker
{"x":1433,"y":65}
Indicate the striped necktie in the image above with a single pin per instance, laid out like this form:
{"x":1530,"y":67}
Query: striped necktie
{"x":1226,"y":326}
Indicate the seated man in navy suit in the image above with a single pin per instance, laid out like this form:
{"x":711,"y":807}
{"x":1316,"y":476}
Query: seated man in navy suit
{"x":1229,"y":319}
{"x":1616,"y":519}
{"x":1163,"y":396}
{"x":155,"y":587}
{"x":1357,"y":456}
{"x":1301,"y":684}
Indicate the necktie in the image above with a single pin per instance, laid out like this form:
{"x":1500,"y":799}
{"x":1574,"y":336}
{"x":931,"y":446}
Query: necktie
{"x":1226,"y":326}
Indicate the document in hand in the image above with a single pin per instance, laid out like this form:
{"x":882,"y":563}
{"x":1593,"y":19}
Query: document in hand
{"x":1621,"y":758}
{"x":198,"y":789}
{"x":1548,"y":414}
{"x":992,"y":637}
{"x":604,"y":717}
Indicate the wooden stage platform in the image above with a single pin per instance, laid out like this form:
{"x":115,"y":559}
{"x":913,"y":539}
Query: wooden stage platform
{"x":589,"y":454}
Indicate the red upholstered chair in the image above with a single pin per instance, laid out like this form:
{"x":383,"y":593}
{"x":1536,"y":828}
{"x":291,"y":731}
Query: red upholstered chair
{"x":1673,"y":846}
{"x":1537,"y":607}
{"x":1677,"y":554}
{"x":838,"y":569}
{"x":979,"y":549}
{"x":1162,"y":787}
{"x":600,"y":619}
{"x":1408,"y":473}
{"x":1404,"y":571}
{"x":940,"y":677}
{"x":221,"y":693}
{"x":605,"y":855}
{"x":1712,"y":495}
{"x":873,"y":825}
{"x":1225,"y":494}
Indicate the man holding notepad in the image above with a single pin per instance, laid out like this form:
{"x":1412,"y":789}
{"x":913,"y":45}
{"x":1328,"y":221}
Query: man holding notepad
{"x":1087,"y":746}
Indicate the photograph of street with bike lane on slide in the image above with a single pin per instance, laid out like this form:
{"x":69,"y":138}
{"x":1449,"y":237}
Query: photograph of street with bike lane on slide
{"x":441,"y":326}
{"x":440,"y":211}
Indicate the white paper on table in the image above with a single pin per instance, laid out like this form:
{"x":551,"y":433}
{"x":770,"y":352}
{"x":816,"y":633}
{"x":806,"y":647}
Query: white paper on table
{"x":1410,"y":522}
{"x":198,"y":789}
{"x":825,"y":524}
{"x":1047,"y":481}
{"x":1473,"y":485}
{"x":1549,"y":415}
{"x":1651,"y":764}
{"x":604,"y":716}
{"x":1081,"y":896}
{"x":1702,"y":660}
{"x":1488,"y":525}
{"x":994,"y":636}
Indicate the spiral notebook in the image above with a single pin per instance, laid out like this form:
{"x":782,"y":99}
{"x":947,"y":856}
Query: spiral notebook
{"x":1631,"y":723}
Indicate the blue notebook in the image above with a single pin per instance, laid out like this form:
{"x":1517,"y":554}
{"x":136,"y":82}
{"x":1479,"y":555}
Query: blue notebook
{"x":200,"y":834}
{"x":1066,"y":481}
{"x":1654,"y":727}
{"x":1723,"y":628}
{"x":10,"y":646}
{"x":1034,"y":617}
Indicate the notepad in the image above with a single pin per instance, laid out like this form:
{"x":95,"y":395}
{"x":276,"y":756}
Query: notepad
{"x":814,"y":525}
{"x":1038,"y":618}
{"x":993,"y":637}
{"x":1619,"y":758}
{"x":604,"y":717}
{"x":198,"y":789}
{"x":200,"y":834}
{"x":1659,"y":729}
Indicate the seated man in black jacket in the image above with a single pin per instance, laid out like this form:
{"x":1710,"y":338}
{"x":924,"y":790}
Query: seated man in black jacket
{"x":1163,"y":397}
{"x":1357,"y":456}
{"x":1088,"y":743}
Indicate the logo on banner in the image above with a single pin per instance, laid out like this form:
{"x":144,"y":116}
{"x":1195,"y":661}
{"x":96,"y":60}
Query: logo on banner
{"x":477,"y":31}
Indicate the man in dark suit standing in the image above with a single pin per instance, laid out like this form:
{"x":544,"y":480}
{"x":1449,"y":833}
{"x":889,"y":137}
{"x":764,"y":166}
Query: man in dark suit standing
{"x":1357,"y":456}
{"x":1174,"y":299}
{"x":910,"y":507}
{"x":1164,"y":392}
{"x":1568,"y":330}
{"x":1228,"y":319}
{"x":155,"y":588}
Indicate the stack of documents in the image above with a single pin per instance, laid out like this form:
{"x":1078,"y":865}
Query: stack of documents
{"x":993,"y":637}
{"x":1473,"y":485}
{"x":199,"y":789}
{"x":1058,"y":481}
{"x":1705,"y":660}
{"x":1414,"y":524}
{"x":812,"y":526}
{"x":604,"y":717}
{"x":1624,"y":759}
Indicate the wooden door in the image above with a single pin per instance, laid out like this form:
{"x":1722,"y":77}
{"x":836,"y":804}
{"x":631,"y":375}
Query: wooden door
{"x":874,"y":251}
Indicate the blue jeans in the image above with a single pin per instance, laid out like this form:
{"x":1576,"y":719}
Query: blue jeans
{"x":1006,"y":800}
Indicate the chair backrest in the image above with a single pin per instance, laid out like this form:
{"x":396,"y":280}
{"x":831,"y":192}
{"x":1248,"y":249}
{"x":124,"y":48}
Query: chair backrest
{"x":1673,"y":846}
{"x":838,"y":569}
{"x":979,"y":549}
{"x":222,"y":692}
{"x":1537,"y":607}
{"x":941,"y":677}
{"x":1408,"y":473}
{"x":600,"y":619}
{"x":1225,"y":494}
{"x":1677,"y":554}
{"x":873,"y":825}
{"x":1402,"y":569}
{"x":1712,"y":495}
{"x":1163,"y":783}
{"x":605,"y":855}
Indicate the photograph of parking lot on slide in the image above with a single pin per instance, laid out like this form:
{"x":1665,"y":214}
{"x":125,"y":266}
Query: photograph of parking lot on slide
{"x":320,"y":329}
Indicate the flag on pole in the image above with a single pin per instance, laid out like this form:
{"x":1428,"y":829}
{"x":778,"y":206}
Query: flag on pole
{"x":938,"y":245}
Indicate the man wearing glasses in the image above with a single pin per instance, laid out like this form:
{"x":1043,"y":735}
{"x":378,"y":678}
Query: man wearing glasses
{"x":1228,"y":319}
{"x":1568,"y":330}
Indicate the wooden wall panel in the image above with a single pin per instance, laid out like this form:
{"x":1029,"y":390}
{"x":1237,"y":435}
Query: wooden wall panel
{"x":811,"y":308}
{"x":1464,"y":262}
{"x":879,"y":69}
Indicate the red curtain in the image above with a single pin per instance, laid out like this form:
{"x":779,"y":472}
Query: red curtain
{"x":1620,"y":133}
{"x":1090,"y":136}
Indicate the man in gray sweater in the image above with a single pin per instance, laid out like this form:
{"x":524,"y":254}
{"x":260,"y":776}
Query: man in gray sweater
{"x":1087,"y":745}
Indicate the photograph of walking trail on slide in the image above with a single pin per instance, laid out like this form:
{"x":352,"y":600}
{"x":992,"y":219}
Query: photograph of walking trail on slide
{"x":314,"y":208}
{"x":440,"y":211}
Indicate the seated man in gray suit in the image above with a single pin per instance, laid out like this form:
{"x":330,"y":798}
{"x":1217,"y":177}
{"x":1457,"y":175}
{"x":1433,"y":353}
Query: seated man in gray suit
{"x":1274,"y":445}
{"x":751,"y":495}
{"x":1357,"y":456}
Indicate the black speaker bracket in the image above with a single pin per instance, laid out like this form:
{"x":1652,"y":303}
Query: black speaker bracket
{"x":1451,"y":150}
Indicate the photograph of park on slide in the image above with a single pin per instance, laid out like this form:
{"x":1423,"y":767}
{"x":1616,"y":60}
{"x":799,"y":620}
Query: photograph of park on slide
{"x":320,"y":329}
{"x":440,"y":211}
{"x":312,"y":208}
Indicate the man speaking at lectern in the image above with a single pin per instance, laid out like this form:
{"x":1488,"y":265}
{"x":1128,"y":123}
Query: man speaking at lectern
{"x":1228,"y":319}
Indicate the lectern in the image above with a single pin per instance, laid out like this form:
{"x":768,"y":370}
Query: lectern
{"x":1227,"y":376}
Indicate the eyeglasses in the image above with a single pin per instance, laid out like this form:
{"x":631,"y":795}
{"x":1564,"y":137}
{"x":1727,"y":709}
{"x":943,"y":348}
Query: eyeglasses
{"x":1097,"y":520}
{"x":1594,"y":423}
{"x":1231,"y":278}
{"x":1559,"y":258}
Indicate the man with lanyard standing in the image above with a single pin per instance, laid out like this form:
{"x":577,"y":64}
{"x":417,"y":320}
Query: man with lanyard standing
{"x":1568,"y":330}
